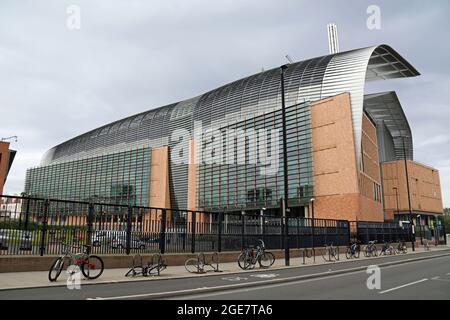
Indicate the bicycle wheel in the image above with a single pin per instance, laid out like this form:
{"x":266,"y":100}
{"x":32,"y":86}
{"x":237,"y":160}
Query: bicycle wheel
{"x":92,"y":267}
{"x":55,"y":269}
{"x":335,"y":253}
{"x":266,"y":260}
{"x":366,"y":252}
{"x":244,"y":261}
{"x":357,"y":253}
{"x":348,"y":253}
{"x":191,"y":265}
{"x":375,"y":251}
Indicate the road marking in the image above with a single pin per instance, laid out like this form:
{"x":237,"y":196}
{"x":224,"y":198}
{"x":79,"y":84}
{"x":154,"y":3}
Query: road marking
{"x":403,"y":286}
{"x":262,"y":287}
{"x":445,"y":280}
{"x":234,"y":278}
{"x":265,"y":275}
{"x":435,"y":278}
{"x":264,"y":283}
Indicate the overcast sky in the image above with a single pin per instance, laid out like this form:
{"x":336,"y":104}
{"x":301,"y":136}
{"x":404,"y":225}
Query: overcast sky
{"x":131,"y":56}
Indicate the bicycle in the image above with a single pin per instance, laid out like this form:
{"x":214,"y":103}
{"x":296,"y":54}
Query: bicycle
{"x":401,"y":247}
{"x":198,"y":265}
{"x":371,"y":250}
{"x":387,"y":249}
{"x":331,"y":252}
{"x":250,"y":256}
{"x":353,"y":251}
{"x":426,"y":246}
{"x":157,"y":264}
{"x":91,"y":266}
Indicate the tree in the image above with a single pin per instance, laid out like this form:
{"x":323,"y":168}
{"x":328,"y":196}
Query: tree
{"x":447,"y":220}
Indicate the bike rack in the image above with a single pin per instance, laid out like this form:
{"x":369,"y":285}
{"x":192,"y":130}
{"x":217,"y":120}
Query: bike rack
{"x":215,"y":256}
{"x":138,"y":267}
{"x":308,"y":253}
{"x":132,"y":272}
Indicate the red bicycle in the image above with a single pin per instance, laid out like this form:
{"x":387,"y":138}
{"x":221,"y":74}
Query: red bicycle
{"x":91,"y":266}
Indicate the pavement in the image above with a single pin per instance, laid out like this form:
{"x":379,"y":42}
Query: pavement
{"x":176,"y":281}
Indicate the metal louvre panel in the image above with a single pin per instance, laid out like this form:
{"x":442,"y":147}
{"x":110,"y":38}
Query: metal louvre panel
{"x":386,"y":107}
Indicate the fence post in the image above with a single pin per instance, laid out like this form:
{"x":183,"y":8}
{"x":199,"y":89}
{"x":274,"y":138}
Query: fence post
{"x":100,"y":218}
{"x":349,"y":232}
{"x":44,"y":228}
{"x":162,"y":235}
{"x":443,"y":230}
{"x":90,"y":222}
{"x":27,"y":214}
{"x":194,"y":225}
{"x":264,"y":228}
{"x":243,"y":230}
{"x":282,"y":224}
{"x":357,"y":231}
{"x":219,"y":233}
{"x":129,"y":225}
{"x":367,"y":233}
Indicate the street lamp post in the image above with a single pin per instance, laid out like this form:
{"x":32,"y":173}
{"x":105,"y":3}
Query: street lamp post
{"x":413,"y":238}
{"x":396,"y":199}
{"x":419,"y":218}
{"x":312,"y":228}
{"x":261,"y":217}
{"x":285,"y":202}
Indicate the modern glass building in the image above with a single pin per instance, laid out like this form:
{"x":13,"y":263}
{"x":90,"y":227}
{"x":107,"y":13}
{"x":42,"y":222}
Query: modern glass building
{"x":136,"y":160}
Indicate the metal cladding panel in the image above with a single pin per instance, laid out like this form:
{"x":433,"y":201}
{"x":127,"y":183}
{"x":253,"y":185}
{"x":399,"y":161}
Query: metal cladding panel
{"x":346,"y":72}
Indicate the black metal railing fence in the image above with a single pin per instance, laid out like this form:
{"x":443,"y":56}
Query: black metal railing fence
{"x":39,"y":226}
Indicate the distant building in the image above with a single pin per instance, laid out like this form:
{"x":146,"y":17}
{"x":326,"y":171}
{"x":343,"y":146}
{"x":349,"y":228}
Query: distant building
{"x":6,"y":160}
{"x":10,"y":207}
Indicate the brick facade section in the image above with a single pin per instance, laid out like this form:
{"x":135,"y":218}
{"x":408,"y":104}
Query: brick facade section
{"x":424,"y":183}
{"x":336,"y":170}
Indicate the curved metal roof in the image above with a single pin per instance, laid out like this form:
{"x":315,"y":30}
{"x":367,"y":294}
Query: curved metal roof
{"x":311,"y":79}
{"x":386,"y":107}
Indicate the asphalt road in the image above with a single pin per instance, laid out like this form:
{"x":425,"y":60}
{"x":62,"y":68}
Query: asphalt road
{"x":419,"y":280}
{"x":436,"y":271}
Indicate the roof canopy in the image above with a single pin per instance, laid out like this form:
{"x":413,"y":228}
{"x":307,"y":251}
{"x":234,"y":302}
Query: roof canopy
{"x":386,"y":107}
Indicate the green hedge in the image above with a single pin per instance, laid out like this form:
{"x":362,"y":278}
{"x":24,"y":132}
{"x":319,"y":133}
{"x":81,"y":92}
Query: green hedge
{"x":447,"y":224}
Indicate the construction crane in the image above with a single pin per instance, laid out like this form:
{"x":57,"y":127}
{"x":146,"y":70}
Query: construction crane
{"x":9,"y":138}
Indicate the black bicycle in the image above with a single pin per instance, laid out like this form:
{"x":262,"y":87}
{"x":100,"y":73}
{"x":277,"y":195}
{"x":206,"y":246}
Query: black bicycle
{"x":401,"y":247}
{"x":371,"y":250}
{"x":153,"y":267}
{"x":251,"y":255}
{"x":387,"y":249}
{"x":353,"y":251}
